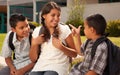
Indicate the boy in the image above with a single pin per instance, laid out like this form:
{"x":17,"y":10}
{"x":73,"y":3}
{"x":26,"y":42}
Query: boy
{"x":94,"y":28}
{"x":21,"y":65}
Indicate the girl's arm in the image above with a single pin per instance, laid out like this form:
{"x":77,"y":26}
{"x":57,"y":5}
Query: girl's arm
{"x":35,"y":47}
{"x":34,"y":51}
{"x":69,"y":50}
{"x":76,"y":38}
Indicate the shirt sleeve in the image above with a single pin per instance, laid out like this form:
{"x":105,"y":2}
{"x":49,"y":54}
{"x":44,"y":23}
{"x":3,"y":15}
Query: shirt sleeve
{"x":36,"y":32}
{"x":65,"y":31}
{"x":6,"y":51}
{"x":99,"y":61}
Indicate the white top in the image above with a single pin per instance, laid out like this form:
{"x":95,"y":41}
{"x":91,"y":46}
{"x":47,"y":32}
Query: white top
{"x":51,"y":58}
{"x":21,"y":51}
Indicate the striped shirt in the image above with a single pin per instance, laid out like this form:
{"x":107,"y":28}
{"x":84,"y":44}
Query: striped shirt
{"x":97,"y":64}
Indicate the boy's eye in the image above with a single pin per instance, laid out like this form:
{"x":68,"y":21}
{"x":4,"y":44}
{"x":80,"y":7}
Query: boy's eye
{"x":27,"y":25}
{"x":21,"y":27}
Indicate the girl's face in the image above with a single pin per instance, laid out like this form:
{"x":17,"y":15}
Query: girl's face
{"x":22,"y":29}
{"x":52,"y":18}
{"x":87,"y":30}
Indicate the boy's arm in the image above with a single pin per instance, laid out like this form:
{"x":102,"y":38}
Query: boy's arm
{"x":25,"y":69}
{"x":91,"y":73}
{"x":9,"y":62}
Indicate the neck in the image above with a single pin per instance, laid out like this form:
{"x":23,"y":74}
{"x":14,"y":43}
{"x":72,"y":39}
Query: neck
{"x":96,"y":37}
{"x":51,"y":30}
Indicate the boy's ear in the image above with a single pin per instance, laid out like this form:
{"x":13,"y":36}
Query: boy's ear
{"x":13,"y":29}
{"x":44,"y":16}
{"x":92,"y":29}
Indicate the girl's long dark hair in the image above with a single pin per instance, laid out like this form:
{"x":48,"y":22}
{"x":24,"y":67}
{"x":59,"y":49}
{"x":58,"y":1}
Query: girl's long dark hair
{"x":45,"y":10}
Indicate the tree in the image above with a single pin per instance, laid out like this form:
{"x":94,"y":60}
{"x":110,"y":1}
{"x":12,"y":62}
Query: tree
{"x":76,"y":13}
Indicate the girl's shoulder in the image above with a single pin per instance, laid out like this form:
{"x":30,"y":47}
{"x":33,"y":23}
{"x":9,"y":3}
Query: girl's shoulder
{"x":63,"y":27}
{"x":36,"y":31}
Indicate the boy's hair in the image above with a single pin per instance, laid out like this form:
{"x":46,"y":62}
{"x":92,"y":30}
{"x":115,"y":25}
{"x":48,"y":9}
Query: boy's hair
{"x":98,"y":22}
{"x":15,"y":18}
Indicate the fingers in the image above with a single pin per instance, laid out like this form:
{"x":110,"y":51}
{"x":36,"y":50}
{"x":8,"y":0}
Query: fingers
{"x":79,"y":28}
{"x":73,"y":27}
{"x":41,"y":35}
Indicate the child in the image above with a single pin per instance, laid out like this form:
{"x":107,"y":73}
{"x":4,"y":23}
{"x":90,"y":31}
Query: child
{"x":54,"y":56}
{"x":94,"y":28}
{"x":21,"y":65}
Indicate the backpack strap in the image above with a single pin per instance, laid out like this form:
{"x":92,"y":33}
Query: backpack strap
{"x":10,"y":41}
{"x":86,"y":43}
{"x":97,"y":42}
{"x":11,"y":44}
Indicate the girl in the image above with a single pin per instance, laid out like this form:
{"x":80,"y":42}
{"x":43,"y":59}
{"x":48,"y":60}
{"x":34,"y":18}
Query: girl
{"x":56,"y":44}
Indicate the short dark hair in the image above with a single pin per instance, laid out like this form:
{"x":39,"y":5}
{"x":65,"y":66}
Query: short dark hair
{"x":15,"y":18}
{"x":98,"y":22}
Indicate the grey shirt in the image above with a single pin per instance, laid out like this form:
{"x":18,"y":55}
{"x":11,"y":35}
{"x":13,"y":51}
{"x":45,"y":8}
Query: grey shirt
{"x":21,"y":51}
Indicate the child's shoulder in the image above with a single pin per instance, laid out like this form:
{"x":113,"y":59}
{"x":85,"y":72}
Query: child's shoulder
{"x":36,"y":31}
{"x":8,"y":33}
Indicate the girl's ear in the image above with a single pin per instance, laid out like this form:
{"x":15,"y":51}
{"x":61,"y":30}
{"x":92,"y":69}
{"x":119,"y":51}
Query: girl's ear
{"x":13,"y":29}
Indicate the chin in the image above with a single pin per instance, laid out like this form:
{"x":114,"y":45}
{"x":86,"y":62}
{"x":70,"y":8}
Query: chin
{"x":26,"y":35}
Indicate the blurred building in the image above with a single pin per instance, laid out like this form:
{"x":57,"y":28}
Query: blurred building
{"x":31,"y":9}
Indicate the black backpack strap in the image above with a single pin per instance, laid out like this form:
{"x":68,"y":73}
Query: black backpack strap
{"x":96,"y":43}
{"x":10,"y":41}
{"x":86,"y":43}
{"x":11,"y":44}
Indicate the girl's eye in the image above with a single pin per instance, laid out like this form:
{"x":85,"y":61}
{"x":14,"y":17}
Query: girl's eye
{"x":53,"y":15}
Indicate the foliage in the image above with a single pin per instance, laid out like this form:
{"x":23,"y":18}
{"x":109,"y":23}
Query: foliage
{"x":76,"y":13}
{"x":113,"y":28}
{"x":2,"y":37}
{"x":34,"y":23}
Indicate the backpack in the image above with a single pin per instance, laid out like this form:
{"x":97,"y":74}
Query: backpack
{"x":113,"y":59}
{"x":12,"y":47}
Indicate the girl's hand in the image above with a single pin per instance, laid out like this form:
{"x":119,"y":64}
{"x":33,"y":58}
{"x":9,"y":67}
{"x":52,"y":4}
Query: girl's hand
{"x":56,"y":42}
{"x":75,"y":30}
{"x":39,"y":40}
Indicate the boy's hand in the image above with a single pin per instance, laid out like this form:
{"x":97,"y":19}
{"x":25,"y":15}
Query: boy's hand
{"x":19,"y":72}
{"x":12,"y":71}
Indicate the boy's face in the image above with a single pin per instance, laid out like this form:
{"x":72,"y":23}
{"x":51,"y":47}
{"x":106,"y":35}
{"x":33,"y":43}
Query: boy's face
{"x":52,"y":18}
{"x":87,"y":30}
{"x":22,"y":29}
